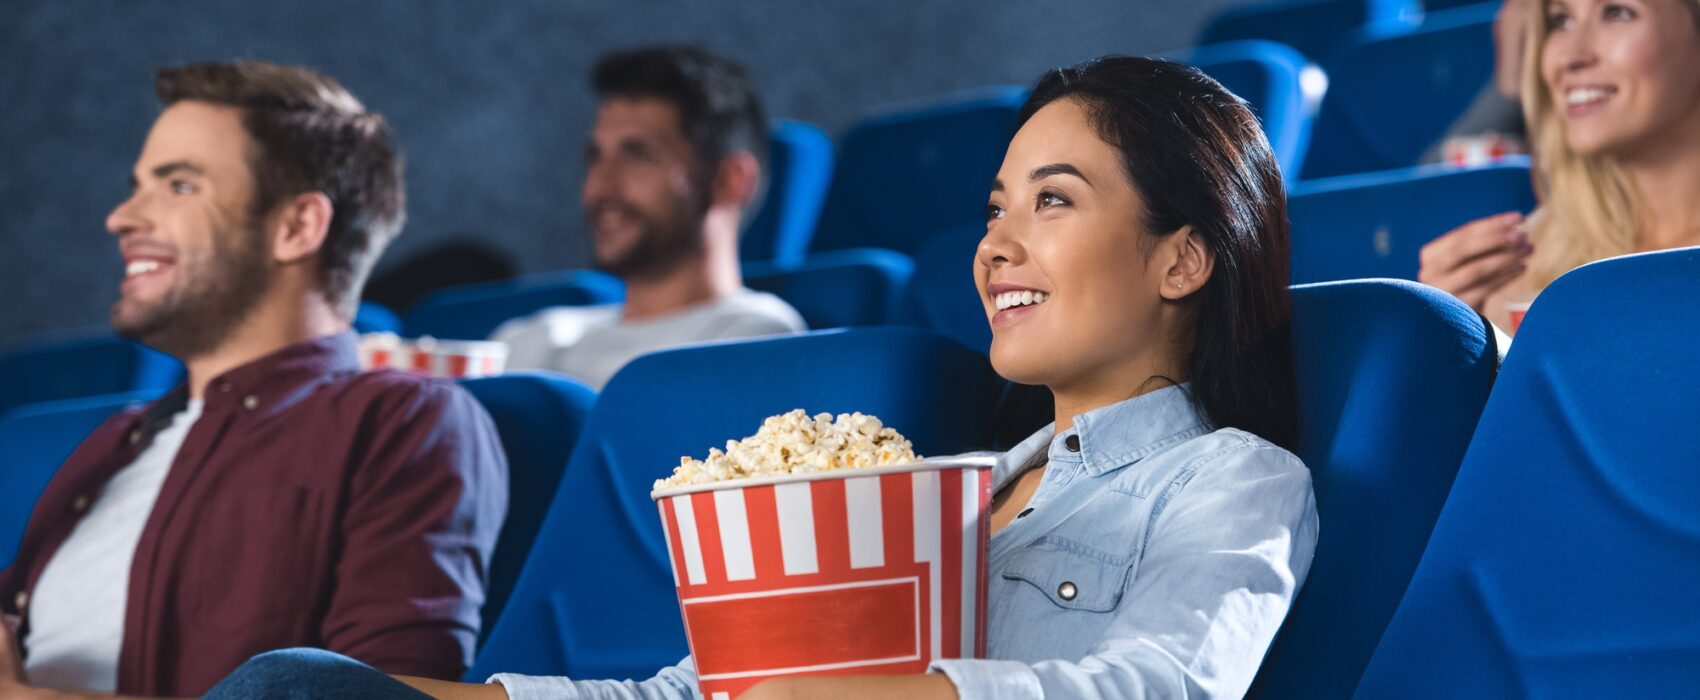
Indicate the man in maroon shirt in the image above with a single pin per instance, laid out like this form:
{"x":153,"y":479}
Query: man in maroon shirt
{"x":281,"y":497}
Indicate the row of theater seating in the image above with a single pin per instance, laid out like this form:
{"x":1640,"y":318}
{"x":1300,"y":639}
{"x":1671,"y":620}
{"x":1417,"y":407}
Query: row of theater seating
{"x":1345,"y":228}
{"x":1525,"y":535}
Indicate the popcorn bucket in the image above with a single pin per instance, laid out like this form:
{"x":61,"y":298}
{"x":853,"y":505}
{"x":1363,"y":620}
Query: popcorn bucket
{"x":1477,"y":151}
{"x":456,"y":359}
{"x":1516,"y":309}
{"x":874,"y":570}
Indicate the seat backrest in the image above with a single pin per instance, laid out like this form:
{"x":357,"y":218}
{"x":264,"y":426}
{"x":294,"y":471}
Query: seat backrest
{"x":51,"y":370}
{"x":1391,"y":97}
{"x":941,"y":294}
{"x":538,"y":416}
{"x":474,"y":311}
{"x":1564,"y":563}
{"x":596,"y":598}
{"x":34,"y":441}
{"x":373,"y":317}
{"x":1392,"y":377}
{"x":799,"y":168}
{"x":837,"y":288}
{"x":941,"y":156}
{"x":1375,"y":225}
{"x":1316,"y":28}
{"x":1284,"y":89}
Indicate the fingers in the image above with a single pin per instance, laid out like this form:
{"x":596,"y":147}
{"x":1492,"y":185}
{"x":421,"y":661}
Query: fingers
{"x":1475,"y":253}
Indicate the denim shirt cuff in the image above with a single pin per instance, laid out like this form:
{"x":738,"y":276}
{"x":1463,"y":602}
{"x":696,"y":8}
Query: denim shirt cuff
{"x":985,"y":679}
{"x":522,"y":687}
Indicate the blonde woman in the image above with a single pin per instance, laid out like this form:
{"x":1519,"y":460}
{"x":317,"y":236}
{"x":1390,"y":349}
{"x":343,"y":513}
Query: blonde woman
{"x":1611,"y":89}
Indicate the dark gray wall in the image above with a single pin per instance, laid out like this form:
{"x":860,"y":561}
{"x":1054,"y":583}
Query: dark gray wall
{"x":489,"y":98}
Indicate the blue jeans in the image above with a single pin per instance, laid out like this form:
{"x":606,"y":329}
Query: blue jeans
{"x":291,"y":674}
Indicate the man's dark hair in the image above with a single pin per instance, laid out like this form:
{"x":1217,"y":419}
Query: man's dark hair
{"x":311,"y":135}
{"x":719,"y":112}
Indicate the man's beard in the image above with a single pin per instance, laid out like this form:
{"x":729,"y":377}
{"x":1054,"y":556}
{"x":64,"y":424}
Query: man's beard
{"x":204,"y":305}
{"x":662,"y":245}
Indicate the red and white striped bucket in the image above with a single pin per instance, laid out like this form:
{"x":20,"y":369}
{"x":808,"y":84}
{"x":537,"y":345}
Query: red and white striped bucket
{"x":456,"y":359}
{"x":877,"y":570}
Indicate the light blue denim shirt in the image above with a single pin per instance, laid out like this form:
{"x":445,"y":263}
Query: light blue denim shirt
{"x":1156,"y":560}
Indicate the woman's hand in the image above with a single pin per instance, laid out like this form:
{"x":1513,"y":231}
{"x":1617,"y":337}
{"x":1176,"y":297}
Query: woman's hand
{"x":1477,"y":259}
{"x":924,"y":686}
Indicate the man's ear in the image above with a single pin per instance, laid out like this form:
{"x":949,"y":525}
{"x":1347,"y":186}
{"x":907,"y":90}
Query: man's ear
{"x":1188,"y":264}
{"x":737,"y":180}
{"x":299,"y":227}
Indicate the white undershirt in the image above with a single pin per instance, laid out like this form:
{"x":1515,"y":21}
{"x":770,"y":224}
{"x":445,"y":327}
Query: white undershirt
{"x":77,"y":608}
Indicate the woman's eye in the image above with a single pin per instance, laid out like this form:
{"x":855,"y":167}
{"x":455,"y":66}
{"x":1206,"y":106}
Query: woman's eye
{"x":993,"y":211}
{"x":1618,"y":12}
{"x":182,"y":187}
{"x":1049,"y":199}
{"x":1558,"y":21}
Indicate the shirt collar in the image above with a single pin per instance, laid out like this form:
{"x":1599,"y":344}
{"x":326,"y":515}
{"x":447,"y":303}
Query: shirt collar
{"x":1110,"y":437}
{"x":268,"y":379}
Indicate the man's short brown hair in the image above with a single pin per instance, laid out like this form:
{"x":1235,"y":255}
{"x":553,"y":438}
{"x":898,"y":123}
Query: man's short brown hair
{"x":311,"y":135}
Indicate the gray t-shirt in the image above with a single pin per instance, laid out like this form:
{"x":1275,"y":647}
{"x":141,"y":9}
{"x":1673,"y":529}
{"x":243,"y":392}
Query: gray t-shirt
{"x":591,"y":343}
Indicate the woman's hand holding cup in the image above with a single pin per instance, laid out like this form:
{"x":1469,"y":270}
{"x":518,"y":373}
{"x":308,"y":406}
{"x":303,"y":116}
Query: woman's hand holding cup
{"x":1477,"y":259}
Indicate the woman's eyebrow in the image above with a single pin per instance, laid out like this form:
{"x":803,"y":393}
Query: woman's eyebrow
{"x":1045,"y":171}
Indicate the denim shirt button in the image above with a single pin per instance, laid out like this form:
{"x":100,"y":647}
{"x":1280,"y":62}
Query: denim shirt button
{"x":1072,"y":442}
{"x":1067,"y":591}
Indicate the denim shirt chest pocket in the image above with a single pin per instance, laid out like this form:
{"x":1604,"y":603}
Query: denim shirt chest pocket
{"x":1071,"y":575}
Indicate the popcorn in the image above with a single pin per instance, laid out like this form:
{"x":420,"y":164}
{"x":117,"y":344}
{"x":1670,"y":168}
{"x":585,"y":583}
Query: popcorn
{"x":795,"y":443}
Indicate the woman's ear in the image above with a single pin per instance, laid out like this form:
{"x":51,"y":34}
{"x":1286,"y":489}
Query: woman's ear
{"x":1189,"y":264}
{"x":300,"y":228}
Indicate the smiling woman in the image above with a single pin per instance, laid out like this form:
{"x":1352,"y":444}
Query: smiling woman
{"x":1149,"y":542}
{"x":1612,"y":93}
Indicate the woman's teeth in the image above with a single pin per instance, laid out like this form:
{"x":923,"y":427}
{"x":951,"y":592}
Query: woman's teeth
{"x":1586,"y":95}
{"x":140,"y":267}
{"x":1010,"y":300}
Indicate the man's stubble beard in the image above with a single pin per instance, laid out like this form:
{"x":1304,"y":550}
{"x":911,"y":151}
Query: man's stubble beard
{"x":204,"y":306}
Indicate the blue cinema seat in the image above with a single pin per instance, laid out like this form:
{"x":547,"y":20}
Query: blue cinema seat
{"x":1392,"y":377}
{"x":474,"y":311}
{"x":50,"y":370}
{"x":941,"y":294}
{"x":837,"y":288}
{"x":918,"y":170}
{"x":1317,"y":28}
{"x":539,"y":416}
{"x":373,"y":317}
{"x":34,"y":441}
{"x":596,"y":598}
{"x":1284,"y":89}
{"x":799,"y":168}
{"x":1566,"y":561}
{"x":1391,"y":97}
{"x":1375,"y":225}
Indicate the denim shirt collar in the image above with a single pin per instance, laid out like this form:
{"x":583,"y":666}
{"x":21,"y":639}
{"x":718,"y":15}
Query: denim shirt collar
{"x":1110,"y":437}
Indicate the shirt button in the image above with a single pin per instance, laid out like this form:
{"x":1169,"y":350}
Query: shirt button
{"x":135,"y":436}
{"x":22,"y":600}
{"x":1067,"y":591}
{"x":80,"y":504}
{"x":1024,"y":513}
{"x":251,"y":402}
{"x":1072,"y":442}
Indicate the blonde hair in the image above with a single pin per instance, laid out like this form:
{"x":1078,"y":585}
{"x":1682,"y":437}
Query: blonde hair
{"x":1589,"y":208}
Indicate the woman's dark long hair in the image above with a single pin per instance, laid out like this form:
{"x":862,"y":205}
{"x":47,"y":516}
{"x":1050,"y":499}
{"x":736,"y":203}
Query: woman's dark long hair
{"x":1196,"y":156}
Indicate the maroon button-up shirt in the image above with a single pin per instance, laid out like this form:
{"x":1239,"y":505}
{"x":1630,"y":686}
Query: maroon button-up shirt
{"x":311,"y":505}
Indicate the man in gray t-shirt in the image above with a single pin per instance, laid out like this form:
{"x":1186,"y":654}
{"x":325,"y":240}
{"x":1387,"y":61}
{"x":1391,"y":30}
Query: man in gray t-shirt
{"x":673,"y":161}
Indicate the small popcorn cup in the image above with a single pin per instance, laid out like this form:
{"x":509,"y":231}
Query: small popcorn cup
{"x":874,"y":570}
{"x":455,"y":359}
{"x":1516,"y":310}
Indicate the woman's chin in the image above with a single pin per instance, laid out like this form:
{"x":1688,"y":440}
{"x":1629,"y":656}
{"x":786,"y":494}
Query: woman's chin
{"x":1020,"y":366}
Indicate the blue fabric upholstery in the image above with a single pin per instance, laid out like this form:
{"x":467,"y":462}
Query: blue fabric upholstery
{"x":1284,"y":89}
{"x":1391,"y":97}
{"x":1565,"y":562}
{"x":941,"y":295}
{"x":474,"y":311}
{"x":918,"y":172}
{"x":1375,"y":225}
{"x":799,"y":168}
{"x":837,"y":288}
{"x":373,"y":317}
{"x":1316,"y":28}
{"x":596,"y":599}
{"x":34,"y":441}
{"x":33,"y":372}
{"x":539,"y":416}
{"x":1392,"y":376}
